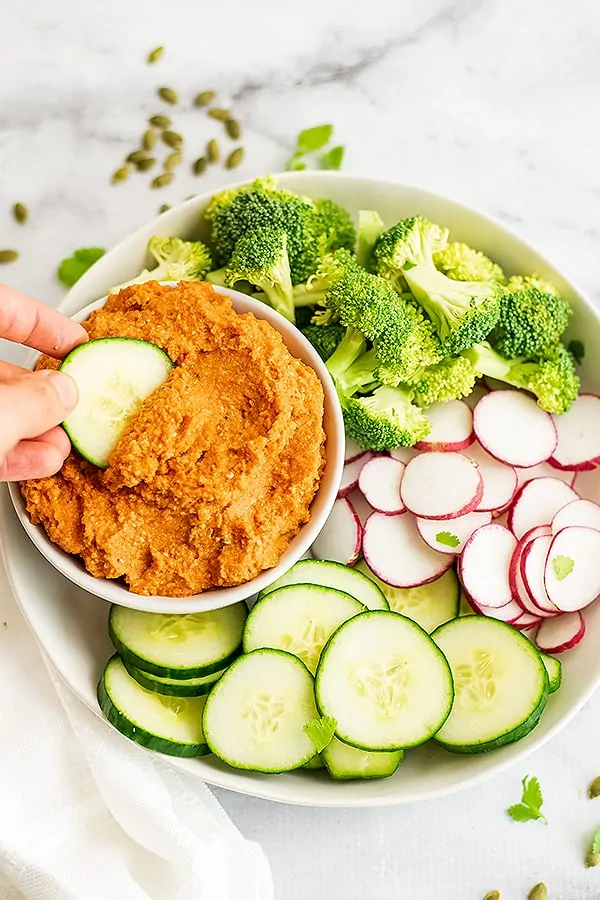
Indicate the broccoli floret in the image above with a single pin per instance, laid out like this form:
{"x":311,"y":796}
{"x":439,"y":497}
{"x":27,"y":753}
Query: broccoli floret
{"x":334,"y":227}
{"x":385,"y":420}
{"x":411,"y":242}
{"x":408,"y":344}
{"x":551,"y":376}
{"x":523,"y":282}
{"x":463,"y":263}
{"x":177,"y":260}
{"x":364,"y":301}
{"x":349,"y":350}
{"x":330,"y":267}
{"x":530,"y":320}
{"x":370,"y":227}
{"x":463,"y":312}
{"x":450,"y":379}
{"x":304,"y":316}
{"x":260,"y":257}
{"x":324,"y":338}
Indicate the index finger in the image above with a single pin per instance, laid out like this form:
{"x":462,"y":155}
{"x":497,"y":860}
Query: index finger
{"x":27,"y":321}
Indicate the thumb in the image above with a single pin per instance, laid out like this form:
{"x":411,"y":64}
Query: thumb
{"x":34,"y":403}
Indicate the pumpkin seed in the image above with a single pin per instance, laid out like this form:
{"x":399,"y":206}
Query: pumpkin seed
{"x":235,"y":158}
{"x":592,"y":859}
{"x":173,"y":159}
{"x":137,"y":156}
{"x":172,"y":139}
{"x":539,"y":892}
{"x":21,"y":213}
{"x":594,"y":788}
{"x":8,"y":256}
{"x":205,"y":98}
{"x":121,"y":174}
{"x":163,"y":208}
{"x":221,"y":115}
{"x":149,"y":140}
{"x":199,"y":167}
{"x":155,"y":55}
{"x":213,"y":151}
{"x":233,"y":129}
{"x":160,"y":121}
{"x":492,"y":895}
{"x":161,"y":180}
{"x":168,"y":95}
{"x":145,"y":164}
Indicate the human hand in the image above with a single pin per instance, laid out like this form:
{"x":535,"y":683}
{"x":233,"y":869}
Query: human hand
{"x":32,"y":404}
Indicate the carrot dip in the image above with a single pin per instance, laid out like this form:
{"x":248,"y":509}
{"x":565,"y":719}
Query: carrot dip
{"x":216,"y":472}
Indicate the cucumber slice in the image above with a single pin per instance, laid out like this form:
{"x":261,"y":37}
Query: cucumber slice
{"x":333,"y":575}
{"x":315,"y":763}
{"x":429,"y":605}
{"x":346,"y":762}
{"x":384,"y":681}
{"x":554,"y":670}
{"x":256,"y":714}
{"x":299,"y":619}
{"x":173,"y":687}
{"x":178,"y":646}
{"x":114,"y":376}
{"x":500,"y":683}
{"x":171,"y":725}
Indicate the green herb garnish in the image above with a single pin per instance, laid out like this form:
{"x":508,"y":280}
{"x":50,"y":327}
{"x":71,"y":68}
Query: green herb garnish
{"x":333,"y":158}
{"x":529,"y":809}
{"x":447,"y":539}
{"x":320,"y":731}
{"x":563,"y":566}
{"x":73,"y":267}
{"x":311,"y":140}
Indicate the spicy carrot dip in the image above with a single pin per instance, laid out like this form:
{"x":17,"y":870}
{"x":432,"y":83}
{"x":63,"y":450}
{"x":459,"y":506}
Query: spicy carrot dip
{"x":216,"y":472}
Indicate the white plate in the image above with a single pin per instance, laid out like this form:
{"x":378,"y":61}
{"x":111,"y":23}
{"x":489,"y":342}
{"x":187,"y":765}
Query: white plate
{"x":71,"y":625}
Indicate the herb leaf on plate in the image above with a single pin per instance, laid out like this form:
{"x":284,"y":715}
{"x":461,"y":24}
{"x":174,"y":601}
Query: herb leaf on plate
{"x":530,"y":807}
{"x":73,"y":267}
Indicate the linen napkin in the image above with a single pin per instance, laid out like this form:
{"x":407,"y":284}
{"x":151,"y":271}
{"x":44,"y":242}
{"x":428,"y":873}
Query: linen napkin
{"x":87,"y":815}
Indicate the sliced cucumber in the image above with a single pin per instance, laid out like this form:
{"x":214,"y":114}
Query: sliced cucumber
{"x":384,"y":681}
{"x":464,"y":607}
{"x":114,"y":376}
{"x":173,"y":687}
{"x":333,"y":575}
{"x":315,"y":763}
{"x":554,"y":670}
{"x":346,"y":762}
{"x":300,"y":619}
{"x":256,"y":714}
{"x":178,"y":646}
{"x":500,"y":682}
{"x":429,"y":605}
{"x":171,"y":725}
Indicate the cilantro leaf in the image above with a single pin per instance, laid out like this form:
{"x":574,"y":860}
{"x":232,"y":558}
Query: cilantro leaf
{"x":596,"y":841}
{"x":295,"y":163}
{"x":73,"y":267}
{"x":333,"y":158}
{"x":320,"y":731}
{"x":563,"y":566}
{"x":312,"y":139}
{"x":447,"y":539}
{"x":577,"y":351}
{"x":530,"y":807}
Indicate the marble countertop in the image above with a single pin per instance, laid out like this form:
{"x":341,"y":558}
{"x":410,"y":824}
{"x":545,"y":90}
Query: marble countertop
{"x":493,"y":102}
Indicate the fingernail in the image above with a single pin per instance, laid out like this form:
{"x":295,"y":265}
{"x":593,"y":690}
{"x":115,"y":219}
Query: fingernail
{"x":65,"y":387}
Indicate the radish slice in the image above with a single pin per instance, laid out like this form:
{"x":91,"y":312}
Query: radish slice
{"x":509,"y":613}
{"x":441,"y":486}
{"x":379,"y":481}
{"x":578,"y":435}
{"x":404,"y":454}
{"x":479,"y":391}
{"x":353,"y":451}
{"x":578,"y":512}
{"x":537,"y":503}
{"x":361,"y":507}
{"x":396,"y":553}
{"x":451,"y":427}
{"x":526,"y":621}
{"x":350,"y":474}
{"x":533,"y":566}
{"x":560,"y":634}
{"x":514,"y":429}
{"x":544,"y":470}
{"x":340,"y":538}
{"x":517,"y":584}
{"x":484,"y":565}
{"x":573,"y":568}
{"x":499,"y":480}
{"x":586,"y":483}
{"x":451,"y":535}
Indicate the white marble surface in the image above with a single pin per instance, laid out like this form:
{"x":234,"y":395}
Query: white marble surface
{"x":492,"y":101}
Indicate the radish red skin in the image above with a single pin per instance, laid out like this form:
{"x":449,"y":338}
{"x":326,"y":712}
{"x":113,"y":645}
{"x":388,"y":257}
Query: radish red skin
{"x":565,"y":491}
{"x":581,"y":545}
{"x":353,"y":552}
{"x":394,"y":470}
{"x":591,"y":404}
{"x":451,"y":428}
{"x":445,"y":447}
{"x":471,"y":577}
{"x":539,"y":598}
{"x":353,"y":451}
{"x":514,"y":408}
{"x":351,"y":473}
{"x":544,"y":636}
{"x":413,"y":497}
{"x":408,"y":545}
{"x":515,"y":579}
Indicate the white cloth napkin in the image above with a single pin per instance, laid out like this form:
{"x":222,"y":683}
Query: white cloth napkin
{"x":87,"y":815}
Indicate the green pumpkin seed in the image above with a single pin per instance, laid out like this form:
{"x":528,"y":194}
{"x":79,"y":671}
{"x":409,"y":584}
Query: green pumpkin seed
{"x":20,"y":213}
{"x":592,"y":859}
{"x":121,"y":174}
{"x":145,"y":164}
{"x":172,"y":139}
{"x":199,"y":167}
{"x":160,"y":121}
{"x":213,"y":151}
{"x":155,"y":55}
{"x":594,"y":788}
{"x":168,"y":95}
{"x":205,"y":98}
{"x":161,"y":180}
{"x":539,"y":892}
{"x":235,"y":158}
{"x":221,"y":115}
{"x":8,"y":256}
{"x":492,"y":895}
{"x":149,"y":140}
{"x":173,"y":159}
{"x":233,"y":129}
{"x":163,"y":208}
{"x":136,"y":156}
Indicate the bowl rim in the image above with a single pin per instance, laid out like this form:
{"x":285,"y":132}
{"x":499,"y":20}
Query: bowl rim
{"x":114,"y":591}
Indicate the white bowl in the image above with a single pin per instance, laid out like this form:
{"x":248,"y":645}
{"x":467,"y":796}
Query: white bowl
{"x":71,"y":625}
{"x":115,"y":591}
